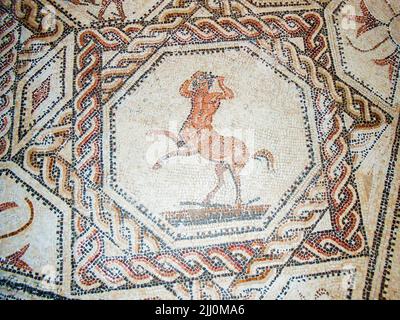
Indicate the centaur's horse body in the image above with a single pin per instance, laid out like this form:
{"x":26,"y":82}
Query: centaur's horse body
{"x":198,"y":136}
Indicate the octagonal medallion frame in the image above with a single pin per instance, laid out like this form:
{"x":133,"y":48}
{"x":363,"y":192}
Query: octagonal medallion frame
{"x":254,"y":259}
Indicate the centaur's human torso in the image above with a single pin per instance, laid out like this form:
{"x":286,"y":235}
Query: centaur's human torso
{"x":197,"y":131}
{"x":204,"y":107}
{"x":205,"y":103}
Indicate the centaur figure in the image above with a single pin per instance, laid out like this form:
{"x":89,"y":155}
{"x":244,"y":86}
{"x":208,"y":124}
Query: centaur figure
{"x":197,"y":135}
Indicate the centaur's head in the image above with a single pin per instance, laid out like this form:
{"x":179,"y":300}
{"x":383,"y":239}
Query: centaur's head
{"x":203,"y":81}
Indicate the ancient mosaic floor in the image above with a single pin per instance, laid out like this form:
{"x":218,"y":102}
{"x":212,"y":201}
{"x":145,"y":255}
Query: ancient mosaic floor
{"x":210,"y":149}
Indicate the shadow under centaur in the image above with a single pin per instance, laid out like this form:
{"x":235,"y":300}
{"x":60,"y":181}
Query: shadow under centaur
{"x":198,"y":136}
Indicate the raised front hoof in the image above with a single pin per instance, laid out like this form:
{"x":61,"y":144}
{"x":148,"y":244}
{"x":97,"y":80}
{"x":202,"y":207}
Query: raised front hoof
{"x":156,"y":166}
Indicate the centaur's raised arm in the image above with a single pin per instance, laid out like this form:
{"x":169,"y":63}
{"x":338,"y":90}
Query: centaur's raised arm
{"x":226,"y":92}
{"x":184,"y":89}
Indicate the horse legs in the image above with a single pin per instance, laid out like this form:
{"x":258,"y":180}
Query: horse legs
{"x":220,"y":169}
{"x":235,"y":171}
{"x":180,"y":152}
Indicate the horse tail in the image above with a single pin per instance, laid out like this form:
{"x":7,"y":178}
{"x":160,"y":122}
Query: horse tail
{"x":266,"y":155}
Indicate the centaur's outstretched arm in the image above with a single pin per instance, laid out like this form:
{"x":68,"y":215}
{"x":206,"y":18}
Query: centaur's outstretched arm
{"x":226,"y":92}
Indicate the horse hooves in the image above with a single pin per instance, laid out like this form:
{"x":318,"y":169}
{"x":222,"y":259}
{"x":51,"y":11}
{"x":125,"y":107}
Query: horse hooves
{"x":206,"y":201}
{"x":156,"y":166}
{"x":238,"y":205}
